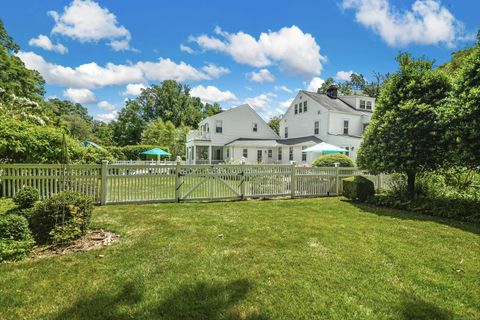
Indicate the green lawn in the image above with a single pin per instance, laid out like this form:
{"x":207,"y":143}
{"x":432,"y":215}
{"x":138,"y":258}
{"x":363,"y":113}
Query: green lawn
{"x":287,"y":259}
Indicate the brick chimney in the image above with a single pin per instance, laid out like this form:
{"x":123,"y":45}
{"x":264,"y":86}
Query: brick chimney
{"x":332,"y":91}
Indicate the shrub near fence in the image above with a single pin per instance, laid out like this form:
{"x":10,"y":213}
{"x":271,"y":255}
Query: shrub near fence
{"x":114,"y":184}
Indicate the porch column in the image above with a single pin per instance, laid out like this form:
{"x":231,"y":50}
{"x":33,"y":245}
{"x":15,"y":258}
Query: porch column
{"x":194,"y":156}
{"x":210,"y":154}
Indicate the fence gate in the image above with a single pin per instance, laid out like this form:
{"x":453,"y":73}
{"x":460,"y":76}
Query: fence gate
{"x":209,"y":182}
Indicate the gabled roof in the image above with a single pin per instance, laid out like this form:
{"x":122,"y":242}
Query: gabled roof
{"x":333,"y":104}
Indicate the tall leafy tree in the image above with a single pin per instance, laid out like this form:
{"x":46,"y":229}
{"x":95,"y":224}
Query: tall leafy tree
{"x":166,"y":134}
{"x":404,"y":135}
{"x":462,"y":114}
{"x":274,"y":123}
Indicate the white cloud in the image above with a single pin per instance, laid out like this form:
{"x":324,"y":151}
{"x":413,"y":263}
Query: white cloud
{"x":44,"y":42}
{"x":314,"y":84}
{"x":283,"y":88}
{"x":91,"y":75}
{"x":133,"y":89}
{"x":86,"y":21}
{"x":428,"y":22}
{"x":212,"y":94}
{"x":343,"y":75}
{"x":261,"y":103}
{"x":105,"y":105}
{"x":186,"y":49}
{"x":107,"y":117}
{"x":215,"y":71}
{"x":293,"y":50}
{"x":261,"y":76}
{"x":283,"y":106}
{"x":80,"y":95}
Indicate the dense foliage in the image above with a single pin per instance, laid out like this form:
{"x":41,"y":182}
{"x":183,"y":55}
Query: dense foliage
{"x":404,"y":134}
{"x":16,"y":240}
{"x":329,"y":160}
{"x":358,"y":188}
{"x":166,"y":134}
{"x":62,"y":218}
{"x":274,"y":123}
{"x":357,"y":85}
{"x":133,"y":152}
{"x":26,"y":197}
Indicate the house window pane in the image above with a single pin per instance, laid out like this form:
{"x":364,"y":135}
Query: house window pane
{"x":304,"y":106}
{"x":286,"y":132}
{"x":255,"y":127}
{"x":369,"y":105}
{"x":316,"y":127}
{"x":304,"y":154}
{"x":228,"y":153}
{"x":300,"y":108}
{"x":270,"y":153}
{"x":218,"y":126}
{"x":345,"y":126}
{"x":290,"y":153}
{"x":245,"y":153}
{"x":296,"y":108}
{"x":279,"y":153}
{"x":362,"y":104}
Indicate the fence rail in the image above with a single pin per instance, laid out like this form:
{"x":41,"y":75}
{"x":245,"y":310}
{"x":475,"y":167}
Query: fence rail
{"x":146,"y":182}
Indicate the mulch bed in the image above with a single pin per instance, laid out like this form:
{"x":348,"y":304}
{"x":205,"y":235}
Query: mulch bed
{"x":94,"y":239}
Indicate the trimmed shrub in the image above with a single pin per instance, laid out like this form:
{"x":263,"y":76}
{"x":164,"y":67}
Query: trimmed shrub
{"x":453,"y":208}
{"x":26,"y":197}
{"x":329,"y":160}
{"x":358,"y":188}
{"x":62,"y":218}
{"x":16,"y":240}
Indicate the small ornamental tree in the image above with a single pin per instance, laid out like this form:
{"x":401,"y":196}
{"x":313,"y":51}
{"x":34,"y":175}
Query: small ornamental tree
{"x":461,"y":115}
{"x":404,"y":134}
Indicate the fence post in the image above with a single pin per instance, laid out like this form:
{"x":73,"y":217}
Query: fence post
{"x":104,"y":183}
{"x":178,"y":182}
{"x":293,"y":180}
{"x":242,"y":182}
{"x":337,"y":178}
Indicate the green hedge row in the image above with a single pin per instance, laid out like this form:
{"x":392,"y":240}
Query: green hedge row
{"x":358,"y":188}
{"x":132,"y":152}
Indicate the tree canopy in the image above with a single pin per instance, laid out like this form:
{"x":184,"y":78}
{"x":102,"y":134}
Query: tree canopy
{"x":404,"y":134}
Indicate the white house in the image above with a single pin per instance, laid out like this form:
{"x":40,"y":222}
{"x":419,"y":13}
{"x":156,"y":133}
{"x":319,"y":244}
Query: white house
{"x":310,"y":119}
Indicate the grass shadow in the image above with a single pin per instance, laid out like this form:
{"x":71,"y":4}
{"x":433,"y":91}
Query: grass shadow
{"x":414,"y":308}
{"x":200,"y":300}
{"x":206,"y":301}
{"x":409,"y":215}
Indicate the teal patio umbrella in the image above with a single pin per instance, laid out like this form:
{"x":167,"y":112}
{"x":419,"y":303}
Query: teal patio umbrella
{"x":156,"y":152}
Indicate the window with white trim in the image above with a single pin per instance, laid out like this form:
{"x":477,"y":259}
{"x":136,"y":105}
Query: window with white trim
{"x":305,"y":106}
{"x":245,"y":153}
{"x":316,"y":127}
{"x":369,"y":105}
{"x":270,"y":153}
{"x":345,"y":126}
{"x":218,"y":126}
{"x":362,"y":104}
{"x":279,"y":153}
{"x":290,"y":153}
{"x":286,"y":132}
{"x":255,"y":127}
{"x":304,"y":154}
{"x":296,"y":108}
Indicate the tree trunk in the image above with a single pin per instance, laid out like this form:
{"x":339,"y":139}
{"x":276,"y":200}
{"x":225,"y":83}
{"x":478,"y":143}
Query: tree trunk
{"x":411,"y":184}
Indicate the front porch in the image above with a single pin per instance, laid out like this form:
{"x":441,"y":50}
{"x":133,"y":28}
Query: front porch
{"x":205,"y":154}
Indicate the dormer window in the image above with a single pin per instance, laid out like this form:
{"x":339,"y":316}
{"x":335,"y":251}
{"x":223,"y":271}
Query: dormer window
{"x":362,"y":104}
{"x":369,"y":105}
{"x":255,"y":127}
{"x":218,"y":126}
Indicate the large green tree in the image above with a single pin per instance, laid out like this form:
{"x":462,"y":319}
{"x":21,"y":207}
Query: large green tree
{"x":404,"y":135}
{"x":166,"y":134}
{"x":274,"y":123}
{"x":462,"y":114}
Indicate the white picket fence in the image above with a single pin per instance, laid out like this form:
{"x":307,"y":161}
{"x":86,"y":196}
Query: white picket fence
{"x":144,"y":183}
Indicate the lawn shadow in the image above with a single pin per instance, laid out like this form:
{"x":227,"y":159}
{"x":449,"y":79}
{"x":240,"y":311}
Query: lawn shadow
{"x":204,"y":300}
{"x":199,"y":300}
{"x":414,"y":308}
{"x":105,"y":305}
{"x":408,"y":215}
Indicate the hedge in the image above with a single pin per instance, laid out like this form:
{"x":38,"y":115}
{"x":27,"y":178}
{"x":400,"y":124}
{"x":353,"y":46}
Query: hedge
{"x":329,"y":160}
{"x":358,"y":188}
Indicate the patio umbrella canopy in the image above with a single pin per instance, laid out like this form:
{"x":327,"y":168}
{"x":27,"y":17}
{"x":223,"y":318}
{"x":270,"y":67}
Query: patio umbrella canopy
{"x":156,"y":152}
{"x":324,"y":148}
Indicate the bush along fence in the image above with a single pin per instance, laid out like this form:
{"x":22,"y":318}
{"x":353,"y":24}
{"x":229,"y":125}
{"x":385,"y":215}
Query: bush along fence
{"x":142,"y":183}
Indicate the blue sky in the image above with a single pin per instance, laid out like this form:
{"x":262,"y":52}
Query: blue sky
{"x":99,"y":53}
